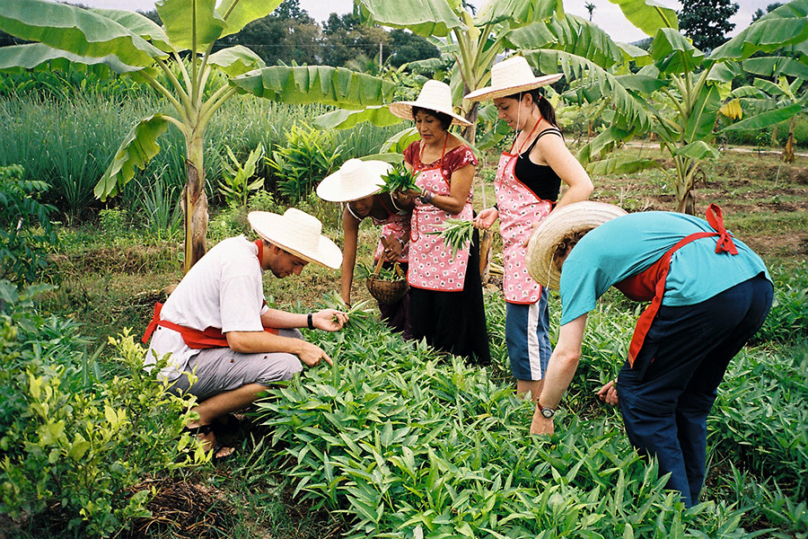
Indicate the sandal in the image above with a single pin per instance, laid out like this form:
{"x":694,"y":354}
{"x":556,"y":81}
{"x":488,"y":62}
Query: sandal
{"x":217,"y":446}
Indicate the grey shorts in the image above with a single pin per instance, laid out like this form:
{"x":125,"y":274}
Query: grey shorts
{"x":219,"y":370}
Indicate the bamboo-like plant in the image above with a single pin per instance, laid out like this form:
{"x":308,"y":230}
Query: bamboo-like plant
{"x":399,"y":179}
{"x":456,"y":233}
{"x":178,"y":61}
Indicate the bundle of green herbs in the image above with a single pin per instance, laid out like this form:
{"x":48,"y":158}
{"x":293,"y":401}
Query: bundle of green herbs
{"x":399,"y":179}
{"x":365,"y":271}
{"x":457,"y":233}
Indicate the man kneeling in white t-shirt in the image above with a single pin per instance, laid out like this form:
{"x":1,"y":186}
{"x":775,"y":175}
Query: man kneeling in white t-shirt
{"x":217,"y":325}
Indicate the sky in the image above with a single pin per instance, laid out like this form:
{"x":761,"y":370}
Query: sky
{"x":606,"y":15}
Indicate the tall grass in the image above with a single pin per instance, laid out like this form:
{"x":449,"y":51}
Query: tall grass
{"x":68,"y":143}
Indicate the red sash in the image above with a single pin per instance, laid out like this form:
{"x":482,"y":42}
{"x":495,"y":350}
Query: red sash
{"x":194,"y":338}
{"x":650,"y":284}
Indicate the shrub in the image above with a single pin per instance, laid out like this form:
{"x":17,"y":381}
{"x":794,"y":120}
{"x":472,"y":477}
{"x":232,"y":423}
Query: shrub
{"x":308,"y":157}
{"x":26,"y":235}
{"x":71,"y":440}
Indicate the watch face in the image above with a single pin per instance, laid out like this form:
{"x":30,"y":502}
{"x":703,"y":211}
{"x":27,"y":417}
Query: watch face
{"x":547,"y":412}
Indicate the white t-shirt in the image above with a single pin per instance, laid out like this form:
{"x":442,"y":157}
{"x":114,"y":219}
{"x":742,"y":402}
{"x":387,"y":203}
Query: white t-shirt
{"x":223,"y":290}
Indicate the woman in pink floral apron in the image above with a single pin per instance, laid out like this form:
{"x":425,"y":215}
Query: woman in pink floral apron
{"x":358,"y":184}
{"x":446,"y":300}
{"x":527,"y":186}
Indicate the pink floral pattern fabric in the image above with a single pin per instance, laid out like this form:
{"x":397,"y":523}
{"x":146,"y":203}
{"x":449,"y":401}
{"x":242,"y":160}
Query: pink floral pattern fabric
{"x":432,"y":266}
{"x":519,"y":209}
{"x":397,"y":226}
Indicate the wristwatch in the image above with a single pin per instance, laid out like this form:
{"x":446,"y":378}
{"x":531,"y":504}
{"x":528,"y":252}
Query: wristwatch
{"x":546,"y":412}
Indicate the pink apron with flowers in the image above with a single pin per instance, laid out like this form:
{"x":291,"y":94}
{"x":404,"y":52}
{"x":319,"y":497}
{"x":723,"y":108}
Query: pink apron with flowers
{"x":431,"y":264}
{"x":519,"y":208}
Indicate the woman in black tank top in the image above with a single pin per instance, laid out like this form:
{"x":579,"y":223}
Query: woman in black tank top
{"x":537,"y":164}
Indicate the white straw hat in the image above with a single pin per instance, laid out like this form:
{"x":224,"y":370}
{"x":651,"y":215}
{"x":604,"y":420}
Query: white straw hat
{"x":436,"y":96}
{"x":563,"y":222}
{"x":510,"y":77}
{"x":354,"y":180}
{"x":298,"y":233}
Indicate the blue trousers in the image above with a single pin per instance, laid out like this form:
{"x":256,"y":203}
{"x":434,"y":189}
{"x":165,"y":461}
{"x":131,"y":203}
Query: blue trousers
{"x":666,"y":397}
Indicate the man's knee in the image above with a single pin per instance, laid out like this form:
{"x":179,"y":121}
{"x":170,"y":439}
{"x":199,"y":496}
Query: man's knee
{"x":282,"y":367}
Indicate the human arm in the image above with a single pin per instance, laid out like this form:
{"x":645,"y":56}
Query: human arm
{"x":460,"y":185}
{"x":257,"y":342}
{"x":486,"y":218}
{"x":350,"y":228}
{"x":327,"y":319}
{"x":555,"y":153}
{"x":562,"y":366}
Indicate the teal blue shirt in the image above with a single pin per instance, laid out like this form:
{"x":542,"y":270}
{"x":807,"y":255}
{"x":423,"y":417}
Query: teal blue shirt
{"x":628,"y":245}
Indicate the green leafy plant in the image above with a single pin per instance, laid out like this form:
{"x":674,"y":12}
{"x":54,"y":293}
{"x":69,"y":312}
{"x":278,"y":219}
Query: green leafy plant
{"x":399,"y":179}
{"x":72,"y":440}
{"x":26,"y":234}
{"x":457,"y":233}
{"x":309,"y":156}
{"x":363,"y":271}
{"x":236,"y":186}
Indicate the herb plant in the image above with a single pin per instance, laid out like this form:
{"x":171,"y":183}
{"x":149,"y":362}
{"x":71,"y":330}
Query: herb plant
{"x":457,"y":233}
{"x":399,"y":179}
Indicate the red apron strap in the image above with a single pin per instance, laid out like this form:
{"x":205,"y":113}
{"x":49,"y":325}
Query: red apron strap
{"x":153,"y":323}
{"x":209,"y":338}
{"x":647,"y":317}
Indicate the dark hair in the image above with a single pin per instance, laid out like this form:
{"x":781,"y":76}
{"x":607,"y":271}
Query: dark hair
{"x":444,"y":119}
{"x":545,"y":107}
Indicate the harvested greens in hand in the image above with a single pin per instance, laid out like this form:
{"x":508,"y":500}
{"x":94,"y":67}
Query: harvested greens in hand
{"x":399,"y":179}
{"x":456,"y":233}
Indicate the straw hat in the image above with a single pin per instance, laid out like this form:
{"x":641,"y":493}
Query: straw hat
{"x":298,"y":233}
{"x":510,"y":77}
{"x":567,"y":220}
{"x":354,"y":180}
{"x":435,"y":95}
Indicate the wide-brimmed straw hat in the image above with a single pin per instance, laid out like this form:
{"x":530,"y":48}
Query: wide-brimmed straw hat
{"x":436,"y":96}
{"x":561,"y":223}
{"x":298,"y":233}
{"x":510,"y":77}
{"x":354,"y":180}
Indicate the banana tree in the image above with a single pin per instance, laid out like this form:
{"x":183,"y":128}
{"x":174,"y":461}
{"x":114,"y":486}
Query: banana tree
{"x":177,"y":60}
{"x":774,"y":103}
{"x":684,"y":93}
{"x":781,"y":40}
{"x":577,"y":46}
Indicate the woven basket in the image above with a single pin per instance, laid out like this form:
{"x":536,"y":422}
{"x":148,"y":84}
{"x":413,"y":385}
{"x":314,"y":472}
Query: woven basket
{"x":386,"y":292}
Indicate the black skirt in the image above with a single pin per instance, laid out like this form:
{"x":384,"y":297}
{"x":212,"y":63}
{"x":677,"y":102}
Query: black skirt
{"x":454,"y":321}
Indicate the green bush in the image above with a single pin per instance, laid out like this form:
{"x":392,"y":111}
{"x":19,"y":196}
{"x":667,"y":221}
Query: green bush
{"x":308,"y":157}
{"x":72,"y":441}
{"x":788,"y":318}
{"x":26,"y":235}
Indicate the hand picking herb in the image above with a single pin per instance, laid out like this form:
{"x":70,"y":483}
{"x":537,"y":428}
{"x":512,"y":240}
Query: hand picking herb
{"x":457,"y":233}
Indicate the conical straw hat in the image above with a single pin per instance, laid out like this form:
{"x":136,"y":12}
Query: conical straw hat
{"x":435,"y":95}
{"x":298,"y":233}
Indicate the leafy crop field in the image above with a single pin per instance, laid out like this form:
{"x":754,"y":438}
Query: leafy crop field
{"x":398,"y":440}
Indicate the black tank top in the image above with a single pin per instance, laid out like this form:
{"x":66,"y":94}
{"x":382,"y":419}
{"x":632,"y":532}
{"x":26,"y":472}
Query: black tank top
{"x":541,"y":179}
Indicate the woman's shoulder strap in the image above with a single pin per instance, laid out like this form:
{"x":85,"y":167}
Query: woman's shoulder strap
{"x":548,"y":131}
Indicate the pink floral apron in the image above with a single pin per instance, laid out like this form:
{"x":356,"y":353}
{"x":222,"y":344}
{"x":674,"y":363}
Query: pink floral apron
{"x":519,"y":208}
{"x":432,"y":266}
{"x":397,"y":226}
